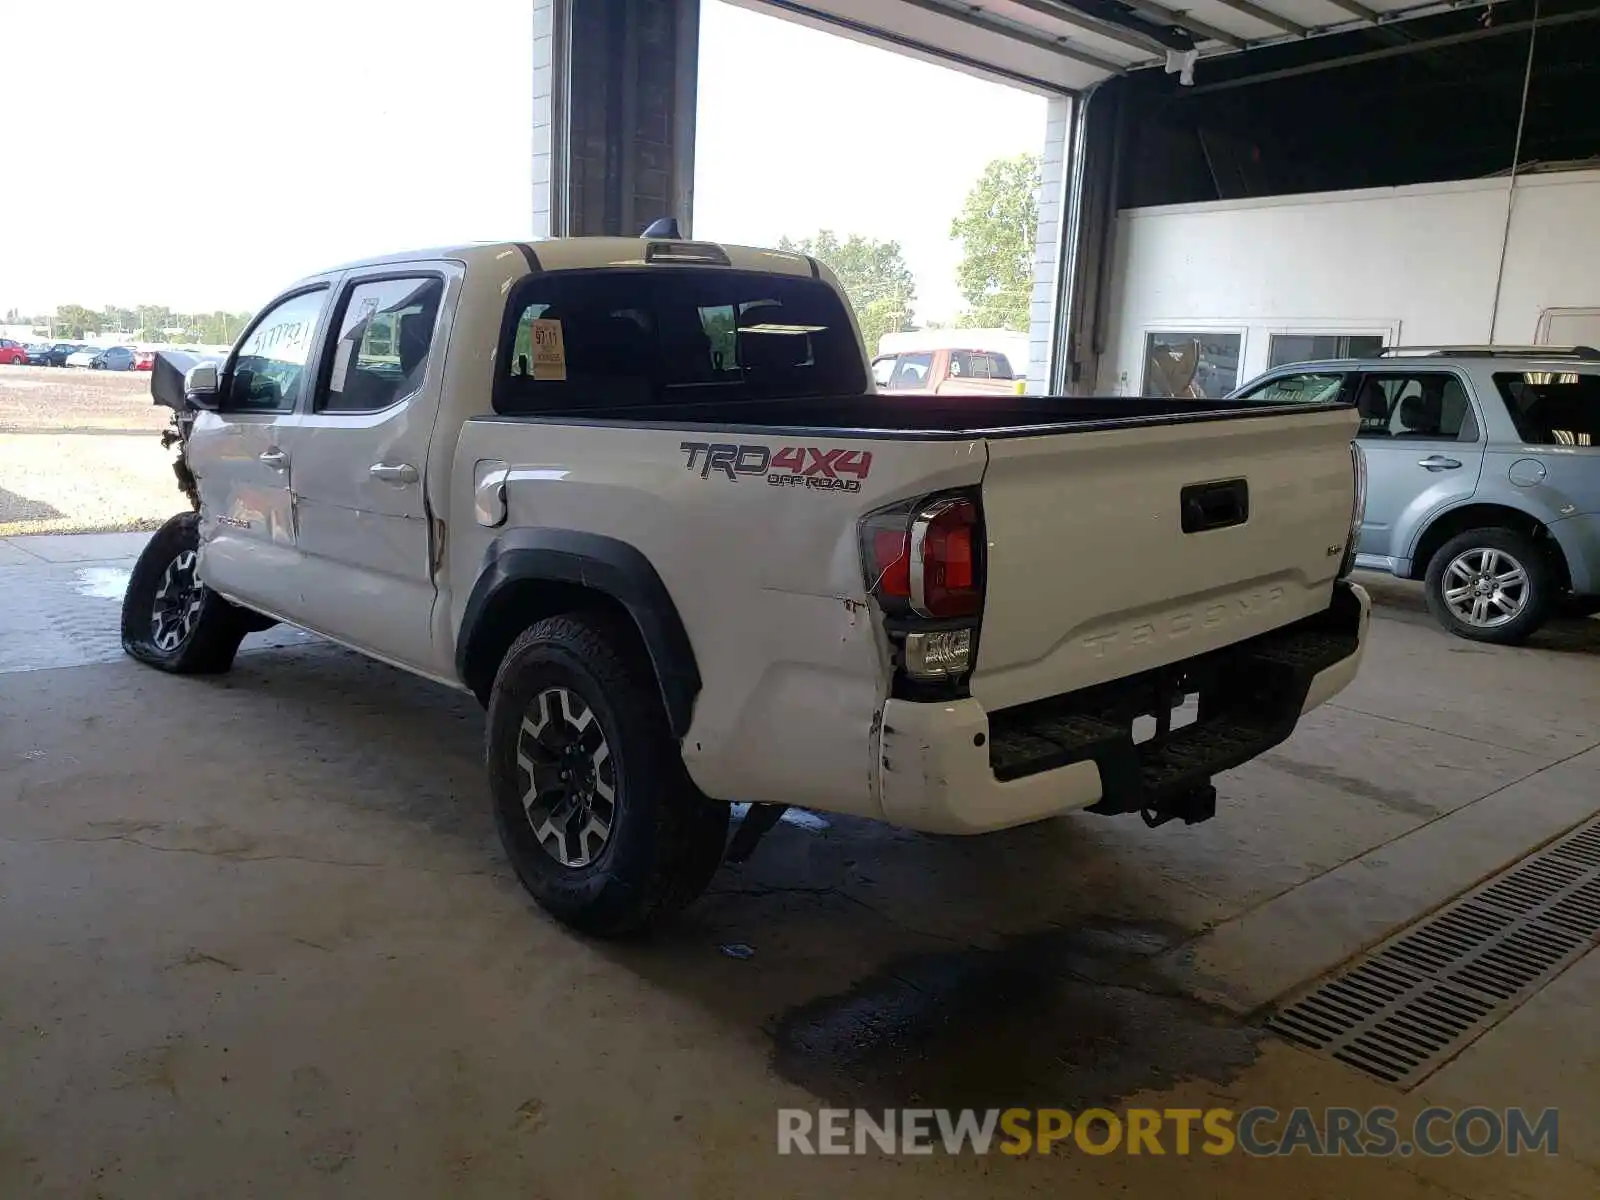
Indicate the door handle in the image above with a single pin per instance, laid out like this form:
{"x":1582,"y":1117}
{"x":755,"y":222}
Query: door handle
{"x":1438,"y":462}
{"x":274,"y":458}
{"x":398,"y":474}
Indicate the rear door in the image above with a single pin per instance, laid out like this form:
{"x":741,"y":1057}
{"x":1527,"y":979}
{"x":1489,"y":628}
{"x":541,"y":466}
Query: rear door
{"x":359,"y":457}
{"x":1119,"y":550}
{"x":237,"y":454}
{"x":1423,"y":440}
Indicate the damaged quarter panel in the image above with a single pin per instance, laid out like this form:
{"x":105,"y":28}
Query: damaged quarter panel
{"x":765,"y":571}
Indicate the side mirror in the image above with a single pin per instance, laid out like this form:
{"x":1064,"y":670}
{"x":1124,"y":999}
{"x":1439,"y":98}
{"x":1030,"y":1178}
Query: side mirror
{"x":200,"y":386}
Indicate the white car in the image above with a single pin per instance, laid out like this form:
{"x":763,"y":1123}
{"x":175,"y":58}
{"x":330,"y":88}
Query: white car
{"x":84,"y":357}
{"x":640,"y":498}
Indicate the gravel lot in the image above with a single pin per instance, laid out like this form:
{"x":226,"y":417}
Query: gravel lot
{"x":80,"y":452}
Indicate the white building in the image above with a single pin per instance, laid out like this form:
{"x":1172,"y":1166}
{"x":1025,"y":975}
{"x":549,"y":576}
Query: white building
{"x":1260,"y":282}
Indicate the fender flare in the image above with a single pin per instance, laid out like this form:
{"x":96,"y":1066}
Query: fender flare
{"x":600,"y":564}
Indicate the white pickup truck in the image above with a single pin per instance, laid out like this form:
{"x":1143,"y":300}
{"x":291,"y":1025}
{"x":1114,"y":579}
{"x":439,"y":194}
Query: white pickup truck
{"x":639,"y":498}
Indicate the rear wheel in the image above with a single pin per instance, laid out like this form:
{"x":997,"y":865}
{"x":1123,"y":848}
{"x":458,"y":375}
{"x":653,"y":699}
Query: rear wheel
{"x":169,"y":618}
{"x":1491,"y":585}
{"x":596,"y":812}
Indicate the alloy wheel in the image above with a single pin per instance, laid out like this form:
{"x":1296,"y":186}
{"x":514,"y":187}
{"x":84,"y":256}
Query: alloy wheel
{"x":1485,"y":587}
{"x":177,"y":603}
{"x":567,"y":777}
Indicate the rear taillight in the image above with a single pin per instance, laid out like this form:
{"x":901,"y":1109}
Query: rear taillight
{"x":923,"y":558}
{"x":924,"y":566}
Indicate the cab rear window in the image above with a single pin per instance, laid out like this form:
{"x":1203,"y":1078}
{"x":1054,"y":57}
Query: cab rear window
{"x":1553,"y":408}
{"x":613,"y":338}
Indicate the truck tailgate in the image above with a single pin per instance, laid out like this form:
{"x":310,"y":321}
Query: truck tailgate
{"x":1114,"y":551}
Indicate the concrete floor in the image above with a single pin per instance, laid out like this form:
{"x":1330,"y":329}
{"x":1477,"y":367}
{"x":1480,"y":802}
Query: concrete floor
{"x":257,"y":939}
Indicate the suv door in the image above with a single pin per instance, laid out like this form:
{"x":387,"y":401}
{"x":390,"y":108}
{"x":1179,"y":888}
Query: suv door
{"x":1423,"y":440}
{"x":366,"y":543}
{"x":247,"y":530}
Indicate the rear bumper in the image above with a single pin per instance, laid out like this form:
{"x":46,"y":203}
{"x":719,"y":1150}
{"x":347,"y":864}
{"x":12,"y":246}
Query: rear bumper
{"x":955,"y":768}
{"x":1579,"y":539}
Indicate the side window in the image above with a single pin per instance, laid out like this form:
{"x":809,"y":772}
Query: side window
{"x":1553,"y":408}
{"x":1306,"y":387}
{"x":1418,"y":406}
{"x":268,"y":372}
{"x":385,"y":334}
{"x":1000,"y":367}
{"x":882,"y":369}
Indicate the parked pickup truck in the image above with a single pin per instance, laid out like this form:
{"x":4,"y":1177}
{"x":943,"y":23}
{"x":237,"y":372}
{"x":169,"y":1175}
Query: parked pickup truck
{"x":947,"y":372}
{"x":640,"y":498}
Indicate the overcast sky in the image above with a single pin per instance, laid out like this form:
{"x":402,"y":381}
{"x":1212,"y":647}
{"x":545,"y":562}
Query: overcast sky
{"x":203,"y":154}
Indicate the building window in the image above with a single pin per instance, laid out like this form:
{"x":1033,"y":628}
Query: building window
{"x":1199,"y":366}
{"x":1286,"y":348}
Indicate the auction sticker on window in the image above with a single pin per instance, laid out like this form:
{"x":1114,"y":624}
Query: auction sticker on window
{"x":549,"y":350}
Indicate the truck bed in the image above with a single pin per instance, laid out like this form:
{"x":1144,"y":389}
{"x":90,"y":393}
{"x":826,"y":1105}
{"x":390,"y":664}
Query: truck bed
{"x":920,"y":417}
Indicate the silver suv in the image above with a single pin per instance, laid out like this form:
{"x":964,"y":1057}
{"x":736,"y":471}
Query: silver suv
{"x":1483,"y":469}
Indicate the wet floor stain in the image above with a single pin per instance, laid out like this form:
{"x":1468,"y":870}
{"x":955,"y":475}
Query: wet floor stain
{"x":101,"y":583}
{"x":1065,"y":1017}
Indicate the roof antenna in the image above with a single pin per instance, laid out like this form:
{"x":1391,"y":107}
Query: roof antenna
{"x":666,"y":227}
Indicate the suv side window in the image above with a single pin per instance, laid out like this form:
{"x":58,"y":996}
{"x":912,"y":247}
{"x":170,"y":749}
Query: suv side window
{"x":1000,"y":367}
{"x":267,"y":374}
{"x":1416,"y":405}
{"x":385,"y":334}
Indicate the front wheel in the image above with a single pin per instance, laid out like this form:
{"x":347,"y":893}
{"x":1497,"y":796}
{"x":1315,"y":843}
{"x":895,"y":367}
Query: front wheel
{"x":1491,"y":585}
{"x":169,"y":618}
{"x":596,"y":812}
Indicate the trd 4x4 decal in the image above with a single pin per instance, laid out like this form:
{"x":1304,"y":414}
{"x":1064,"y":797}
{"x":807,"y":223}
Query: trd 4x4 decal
{"x":811,"y":467}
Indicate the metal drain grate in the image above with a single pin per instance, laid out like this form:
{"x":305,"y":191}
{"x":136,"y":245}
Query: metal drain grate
{"x":1406,"y":1007}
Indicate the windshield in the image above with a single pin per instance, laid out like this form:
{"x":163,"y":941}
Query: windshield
{"x":1553,"y":408}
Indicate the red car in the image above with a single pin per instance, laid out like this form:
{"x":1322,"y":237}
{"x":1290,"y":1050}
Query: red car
{"x":144,"y":360}
{"x":13,"y":352}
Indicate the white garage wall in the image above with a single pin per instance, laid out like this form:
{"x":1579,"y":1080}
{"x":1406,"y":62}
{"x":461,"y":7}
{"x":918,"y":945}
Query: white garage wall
{"x":1417,"y":264}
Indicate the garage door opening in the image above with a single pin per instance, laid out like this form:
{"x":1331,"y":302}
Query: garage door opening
{"x":934,"y":194}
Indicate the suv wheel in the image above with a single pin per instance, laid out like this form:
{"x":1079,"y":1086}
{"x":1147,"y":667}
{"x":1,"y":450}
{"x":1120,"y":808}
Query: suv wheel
{"x":169,"y":618}
{"x":1491,"y":585}
{"x":596,"y":812}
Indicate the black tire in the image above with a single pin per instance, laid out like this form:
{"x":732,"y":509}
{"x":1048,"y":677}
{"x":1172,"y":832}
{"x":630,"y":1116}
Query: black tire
{"x":665,"y":840}
{"x":1539,"y":593}
{"x":208,"y":628}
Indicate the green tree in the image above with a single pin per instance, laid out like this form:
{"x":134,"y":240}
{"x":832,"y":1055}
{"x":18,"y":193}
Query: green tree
{"x":74,"y":321}
{"x":873,"y":274}
{"x":117,"y":320}
{"x":151,"y":319}
{"x":997,"y":228}
{"x":214,"y":328}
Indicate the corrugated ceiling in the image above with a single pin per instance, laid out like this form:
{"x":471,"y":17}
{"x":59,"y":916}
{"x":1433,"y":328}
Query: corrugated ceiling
{"x":1054,"y":43}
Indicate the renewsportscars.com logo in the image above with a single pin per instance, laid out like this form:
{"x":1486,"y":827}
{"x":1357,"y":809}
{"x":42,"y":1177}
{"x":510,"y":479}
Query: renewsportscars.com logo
{"x":1260,"y":1132}
{"x":816,"y":468}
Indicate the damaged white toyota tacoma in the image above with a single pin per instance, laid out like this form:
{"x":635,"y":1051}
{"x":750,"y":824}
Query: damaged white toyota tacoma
{"x":640,"y":498}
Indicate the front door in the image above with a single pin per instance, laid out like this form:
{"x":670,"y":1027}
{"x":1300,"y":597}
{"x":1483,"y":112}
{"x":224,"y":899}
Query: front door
{"x":247,"y":529}
{"x":1424,"y":448}
{"x":359,"y":459}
